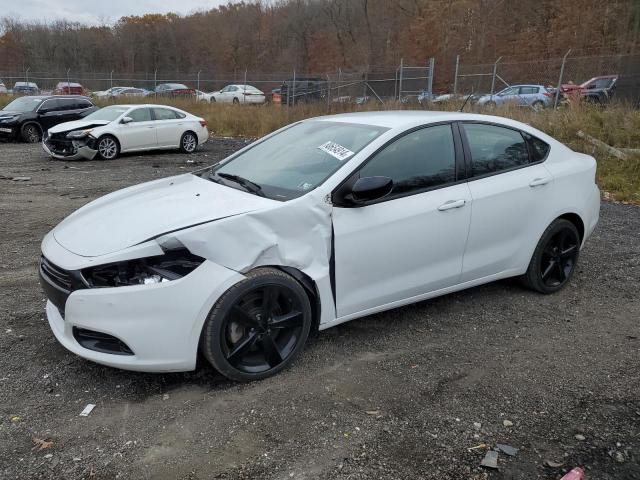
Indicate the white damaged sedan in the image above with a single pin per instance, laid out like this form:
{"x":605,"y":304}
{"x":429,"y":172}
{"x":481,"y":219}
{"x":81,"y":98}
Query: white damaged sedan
{"x":125,"y":128}
{"x":321,"y":222}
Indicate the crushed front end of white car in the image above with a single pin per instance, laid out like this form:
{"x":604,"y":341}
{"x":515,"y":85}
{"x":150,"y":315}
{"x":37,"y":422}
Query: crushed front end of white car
{"x":72,"y":141}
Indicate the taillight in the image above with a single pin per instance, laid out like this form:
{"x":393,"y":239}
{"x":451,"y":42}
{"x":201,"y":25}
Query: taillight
{"x":547,"y":94}
{"x":203,"y":123}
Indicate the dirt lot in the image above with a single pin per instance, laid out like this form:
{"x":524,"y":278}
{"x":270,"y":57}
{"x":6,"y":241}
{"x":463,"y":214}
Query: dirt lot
{"x":394,"y":395}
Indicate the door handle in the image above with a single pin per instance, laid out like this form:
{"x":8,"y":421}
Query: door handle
{"x":151,"y":126}
{"x":451,"y":204}
{"x":538,"y":182}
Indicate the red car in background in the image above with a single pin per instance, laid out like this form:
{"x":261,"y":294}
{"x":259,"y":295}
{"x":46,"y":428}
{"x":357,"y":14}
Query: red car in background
{"x":597,"y":89}
{"x":69,"y":88}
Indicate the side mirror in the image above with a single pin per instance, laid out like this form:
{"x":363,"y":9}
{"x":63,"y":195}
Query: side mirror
{"x":371,"y":188}
{"x":126,"y":120}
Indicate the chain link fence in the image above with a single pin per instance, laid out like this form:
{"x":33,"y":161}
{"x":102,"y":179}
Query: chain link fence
{"x":405,"y":83}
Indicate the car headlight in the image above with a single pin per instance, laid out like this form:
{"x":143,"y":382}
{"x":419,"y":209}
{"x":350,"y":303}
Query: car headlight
{"x":79,"y":133}
{"x":174,"y":264}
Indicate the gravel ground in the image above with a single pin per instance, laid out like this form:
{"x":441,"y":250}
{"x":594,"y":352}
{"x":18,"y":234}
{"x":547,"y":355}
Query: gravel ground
{"x":401,"y":394}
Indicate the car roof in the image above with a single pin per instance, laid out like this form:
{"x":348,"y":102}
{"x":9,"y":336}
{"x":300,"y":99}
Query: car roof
{"x":46,"y":97}
{"x":148,"y":105}
{"x":408,"y":118}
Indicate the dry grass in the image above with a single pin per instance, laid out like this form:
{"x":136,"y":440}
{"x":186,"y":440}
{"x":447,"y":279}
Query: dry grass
{"x":617,"y":125}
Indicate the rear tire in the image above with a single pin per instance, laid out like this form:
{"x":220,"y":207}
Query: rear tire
{"x":258,"y":327}
{"x":554,"y":259}
{"x":236,"y":101}
{"x":538,"y":105}
{"x":108,"y":147}
{"x":188,"y":142}
{"x":31,"y":133}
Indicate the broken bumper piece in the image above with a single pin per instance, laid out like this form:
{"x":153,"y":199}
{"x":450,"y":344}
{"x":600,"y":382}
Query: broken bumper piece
{"x":69,"y":150}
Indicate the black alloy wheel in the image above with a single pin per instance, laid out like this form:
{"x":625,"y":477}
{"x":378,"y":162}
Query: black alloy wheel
{"x":258,"y":326}
{"x":555,"y":257}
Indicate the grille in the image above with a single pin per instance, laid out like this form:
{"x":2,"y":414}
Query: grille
{"x":56,"y":274}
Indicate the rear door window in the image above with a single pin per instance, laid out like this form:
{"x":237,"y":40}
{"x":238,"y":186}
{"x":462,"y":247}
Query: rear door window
{"x":528,"y":90}
{"x":67,"y":104}
{"x":164,"y":114}
{"x":494,"y":149}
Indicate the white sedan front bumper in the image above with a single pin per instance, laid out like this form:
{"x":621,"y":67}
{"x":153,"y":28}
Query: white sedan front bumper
{"x":161,"y":323}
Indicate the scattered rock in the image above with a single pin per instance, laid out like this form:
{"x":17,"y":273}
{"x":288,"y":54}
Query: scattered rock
{"x":490,"y":460}
{"x":74,"y":197}
{"x":507,"y":449}
{"x":507,"y":423}
{"x":552,"y":464}
{"x":619,"y":457}
{"x":21,"y":179}
{"x":40,"y":444}
{"x":579,"y":437}
{"x":477,"y":425}
{"x":165,"y":396}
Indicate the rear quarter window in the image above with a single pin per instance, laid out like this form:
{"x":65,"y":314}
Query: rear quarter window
{"x":539,"y":149}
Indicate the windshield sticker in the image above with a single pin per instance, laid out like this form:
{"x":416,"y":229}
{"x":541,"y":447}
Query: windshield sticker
{"x":336,"y":150}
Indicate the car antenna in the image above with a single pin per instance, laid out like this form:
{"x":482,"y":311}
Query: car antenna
{"x":465,"y":102}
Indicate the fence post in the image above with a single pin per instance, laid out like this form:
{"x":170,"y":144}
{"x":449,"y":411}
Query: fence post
{"x":339,"y":81}
{"x":455,"y":75}
{"x":244,"y":88}
{"x":328,"y":93}
{"x":111,"y":79}
{"x":432,"y":64}
{"x":26,"y":75}
{"x":155,"y":81}
{"x":198,"y":87}
{"x":364,"y":84}
{"x":293,"y":98}
{"x":493,"y":77}
{"x":400,"y":81}
{"x":564,"y":59}
{"x":68,"y":81}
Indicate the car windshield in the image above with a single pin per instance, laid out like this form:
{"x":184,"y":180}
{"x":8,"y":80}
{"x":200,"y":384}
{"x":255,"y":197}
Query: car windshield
{"x":299,"y":158}
{"x":107,"y":113}
{"x":24,"y":104}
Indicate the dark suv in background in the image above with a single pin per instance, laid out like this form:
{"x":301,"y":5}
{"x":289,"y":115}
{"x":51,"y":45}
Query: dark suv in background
{"x":303,"y":90}
{"x":27,"y":118}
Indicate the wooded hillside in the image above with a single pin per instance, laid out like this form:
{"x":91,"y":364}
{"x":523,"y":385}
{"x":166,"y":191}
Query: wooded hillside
{"x":322,"y":35}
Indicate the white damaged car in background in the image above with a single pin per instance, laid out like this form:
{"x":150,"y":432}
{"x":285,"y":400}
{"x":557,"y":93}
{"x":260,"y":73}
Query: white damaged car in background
{"x":321,"y":222}
{"x":125,"y":128}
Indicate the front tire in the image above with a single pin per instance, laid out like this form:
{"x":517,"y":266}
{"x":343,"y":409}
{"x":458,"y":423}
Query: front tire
{"x":31,"y":133}
{"x":555,"y":258}
{"x":257,"y":327}
{"x":108,"y":147}
{"x":236,"y":101}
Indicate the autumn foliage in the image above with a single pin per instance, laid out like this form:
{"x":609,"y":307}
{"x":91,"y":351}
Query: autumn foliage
{"x":323,"y":35}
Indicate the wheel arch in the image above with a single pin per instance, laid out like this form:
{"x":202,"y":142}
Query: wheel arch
{"x":32,"y":122}
{"x":577,"y":221}
{"x":311,"y":290}
{"x":109,"y":134}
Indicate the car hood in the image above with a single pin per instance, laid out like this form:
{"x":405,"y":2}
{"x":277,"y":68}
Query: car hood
{"x":143,"y":212}
{"x":77,"y":124}
{"x":4,"y":114}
